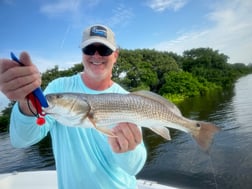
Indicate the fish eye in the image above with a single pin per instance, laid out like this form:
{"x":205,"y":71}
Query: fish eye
{"x":58,"y":96}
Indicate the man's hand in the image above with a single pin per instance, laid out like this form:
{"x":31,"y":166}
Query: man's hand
{"x":128,"y":137}
{"x":16,"y":81}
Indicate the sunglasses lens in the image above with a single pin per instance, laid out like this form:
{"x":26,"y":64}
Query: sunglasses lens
{"x":101,"y":49}
{"x":89,"y":50}
{"x":104,"y":50}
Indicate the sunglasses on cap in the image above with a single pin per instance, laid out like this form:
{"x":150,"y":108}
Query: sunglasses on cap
{"x":101,"y":49}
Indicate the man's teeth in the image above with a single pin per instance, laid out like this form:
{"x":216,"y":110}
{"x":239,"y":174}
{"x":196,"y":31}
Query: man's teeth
{"x":97,"y":63}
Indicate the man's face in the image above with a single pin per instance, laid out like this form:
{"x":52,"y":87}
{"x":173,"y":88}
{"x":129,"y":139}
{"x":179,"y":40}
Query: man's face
{"x":97,"y":66}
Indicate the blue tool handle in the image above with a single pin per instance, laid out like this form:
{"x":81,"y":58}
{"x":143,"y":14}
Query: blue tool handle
{"x":13,"y":57}
{"x":37,"y":92}
{"x":40,"y":96}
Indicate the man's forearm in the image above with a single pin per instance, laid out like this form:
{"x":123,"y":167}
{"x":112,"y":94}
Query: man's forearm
{"x":26,"y":108}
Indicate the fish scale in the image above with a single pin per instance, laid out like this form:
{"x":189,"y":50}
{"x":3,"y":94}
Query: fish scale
{"x":144,"y":108}
{"x":128,"y":106}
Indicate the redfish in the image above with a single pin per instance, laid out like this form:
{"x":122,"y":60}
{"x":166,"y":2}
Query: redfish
{"x":143,"y":108}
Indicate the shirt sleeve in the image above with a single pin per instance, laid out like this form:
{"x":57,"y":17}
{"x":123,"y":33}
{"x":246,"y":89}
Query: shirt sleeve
{"x":133,"y":161}
{"x":130,"y":162}
{"x":23,"y":129}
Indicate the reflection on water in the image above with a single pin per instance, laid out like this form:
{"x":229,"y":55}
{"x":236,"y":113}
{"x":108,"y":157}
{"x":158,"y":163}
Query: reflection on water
{"x":229,"y":162}
{"x":179,"y":162}
{"x":36,"y":157}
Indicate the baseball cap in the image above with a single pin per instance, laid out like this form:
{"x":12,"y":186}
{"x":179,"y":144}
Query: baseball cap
{"x":98,"y":34}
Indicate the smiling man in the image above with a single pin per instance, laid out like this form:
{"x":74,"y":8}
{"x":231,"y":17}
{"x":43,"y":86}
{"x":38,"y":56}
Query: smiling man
{"x":99,"y":56}
{"x":85,"y":158}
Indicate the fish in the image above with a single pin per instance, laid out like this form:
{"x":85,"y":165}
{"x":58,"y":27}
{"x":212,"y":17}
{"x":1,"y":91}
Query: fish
{"x":143,"y":108}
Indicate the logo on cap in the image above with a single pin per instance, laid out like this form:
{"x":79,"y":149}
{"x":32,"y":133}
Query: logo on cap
{"x":98,"y":31}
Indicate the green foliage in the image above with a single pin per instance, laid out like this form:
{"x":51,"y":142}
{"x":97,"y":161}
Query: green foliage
{"x":4,"y":122}
{"x":54,"y":73}
{"x":143,"y":67}
{"x":212,"y":66}
{"x":205,"y":58}
{"x":5,"y":118}
{"x":185,"y":84}
{"x":175,"y":77}
{"x":175,"y":98}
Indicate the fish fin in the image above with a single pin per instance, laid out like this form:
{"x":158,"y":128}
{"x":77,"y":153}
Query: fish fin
{"x":158,"y":98}
{"x":204,"y":136}
{"x":104,"y":130}
{"x":162,"y":131}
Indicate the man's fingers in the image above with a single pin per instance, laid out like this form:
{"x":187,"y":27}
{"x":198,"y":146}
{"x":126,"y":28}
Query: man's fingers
{"x":16,"y":81}
{"x":124,"y":143}
{"x":20,"y":93}
{"x":128,"y":137}
{"x":136,"y":132}
{"x":6,"y":64}
{"x":114,"y":144}
{"x":25,"y":59}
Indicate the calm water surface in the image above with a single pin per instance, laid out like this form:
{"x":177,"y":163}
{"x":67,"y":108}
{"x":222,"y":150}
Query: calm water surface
{"x":179,"y":162}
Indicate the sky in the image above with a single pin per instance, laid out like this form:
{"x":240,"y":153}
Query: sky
{"x":51,"y":30}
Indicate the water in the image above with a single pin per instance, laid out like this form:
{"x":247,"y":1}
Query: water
{"x":227,"y":165}
{"x":36,"y":157}
{"x":229,"y":162}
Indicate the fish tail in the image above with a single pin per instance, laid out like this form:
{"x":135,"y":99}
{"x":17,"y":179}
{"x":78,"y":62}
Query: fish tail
{"x":204,"y":136}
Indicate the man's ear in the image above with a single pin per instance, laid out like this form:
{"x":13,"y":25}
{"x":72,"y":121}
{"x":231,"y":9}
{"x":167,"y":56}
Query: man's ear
{"x":116,"y":54}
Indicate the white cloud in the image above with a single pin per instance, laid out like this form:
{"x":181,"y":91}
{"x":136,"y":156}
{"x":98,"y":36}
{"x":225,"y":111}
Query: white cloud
{"x":8,"y":2}
{"x":161,"y":5}
{"x":81,"y":12}
{"x":230,"y":33}
{"x":59,"y":7}
{"x":65,"y":6}
{"x":121,"y":15}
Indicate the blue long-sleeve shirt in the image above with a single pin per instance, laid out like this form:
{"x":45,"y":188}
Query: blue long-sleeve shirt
{"x":83,"y":156}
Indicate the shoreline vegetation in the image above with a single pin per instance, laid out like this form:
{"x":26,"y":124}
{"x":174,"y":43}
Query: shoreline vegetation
{"x":197,"y":72}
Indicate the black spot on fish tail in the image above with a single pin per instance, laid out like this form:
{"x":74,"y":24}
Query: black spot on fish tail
{"x":198,"y":124}
{"x":204,"y":136}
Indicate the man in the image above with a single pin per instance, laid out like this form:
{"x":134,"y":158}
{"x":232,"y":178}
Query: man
{"x":85,"y":158}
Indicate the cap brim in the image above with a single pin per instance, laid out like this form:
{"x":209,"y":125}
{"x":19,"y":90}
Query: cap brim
{"x":98,"y":40}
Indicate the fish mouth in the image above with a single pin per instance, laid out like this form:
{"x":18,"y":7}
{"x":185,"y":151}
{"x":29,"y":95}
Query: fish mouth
{"x":50,"y":113}
{"x":47,"y":110}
